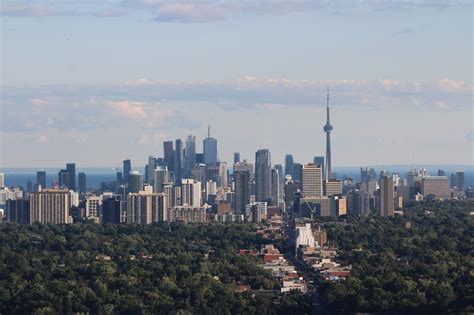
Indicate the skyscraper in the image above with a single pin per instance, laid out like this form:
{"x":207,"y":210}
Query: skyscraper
{"x":311,"y":180}
{"x":161,"y":177}
{"x":263,"y":162}
{"x":245,"y":165}
{"x":82,"y":183}
{"x":319,"y":160}
{"x":168,"y":155}
{"x":327,"y":129}
{"x":41,"y":179}
{"x":367,"y":174}
{"x":358,"y":203}
{"x":236,"y":157}
{"x":242,"y":190}
{"x":210,"y":149}
{"x":146,"y":208}
{"x":289,"y":164}
{"x":2,"y":180}
{"x":150,"y":170}
{"x":297,"y":171}
{"x":63,"y":179}
{"x":127,"y":167}
{"x":179,"y":160}
{"x":222,"y":179}
{"x":333,"y":187}
{"x":191,"y":193}
{"x":189,"y":155}
{"x":111,"y":210}
{"x":71,"y":170}
{"x":199,"y":158}
{"x":436,"y":187}
{"x":458,"y":180}
{"x":275,"y":184}
{"x":279,"y":167}
{"x":135,"y":182}
{"x":18,"y":211}
{"x":49,"y":206}
{"x":386,"y":196}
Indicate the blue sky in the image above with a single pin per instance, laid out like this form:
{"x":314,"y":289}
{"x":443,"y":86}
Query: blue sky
{"x":96,"y":82}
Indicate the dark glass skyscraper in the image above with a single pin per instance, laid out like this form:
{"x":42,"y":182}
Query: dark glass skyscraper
{"x":263,"y":190}
{"x":41,"y":179}
{"x":236,"y":157}
{"x":127,"y":167}
{"x":18,"y":211}
{"x":189,"y":155}
{"x":168,"y":155}
{"x":63,"y":179}
{"x":242,"y":190}
{"x":179,"y":160}
{"x":71,"y":170}
{"x":82,"y":183}
{"x":297,"y":171}
{"x":210,"y":149}
{"x":135,"y":182}
{"x":111,"y":211}
{"x":289,"y":164}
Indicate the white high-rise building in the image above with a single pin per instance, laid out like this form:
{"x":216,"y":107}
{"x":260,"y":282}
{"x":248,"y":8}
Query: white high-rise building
{"x":93,"y":204}
{"x":191,"y":193}
{"x":148,"y":189}
{"x":304,"y":236}
{"x":2,"y":180}
{"x":50,"y":206}
{"x":73,"y":199}
{"x":7,"y":193}
{"x":222,"y":174}
{"x":147,"y":208}
{"x":211,"y":188}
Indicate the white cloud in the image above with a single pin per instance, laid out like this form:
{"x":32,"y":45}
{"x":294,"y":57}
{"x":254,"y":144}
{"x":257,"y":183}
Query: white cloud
{"x":452,"y":85}
{"x":39,"y":101}
{"x":128,"y":109}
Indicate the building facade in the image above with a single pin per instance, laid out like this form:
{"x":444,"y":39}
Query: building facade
{"x":50,"y":206}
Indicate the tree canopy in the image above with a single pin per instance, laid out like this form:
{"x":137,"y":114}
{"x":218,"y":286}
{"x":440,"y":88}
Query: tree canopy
{"x":134,"y":269}
{"x":421,"y":261}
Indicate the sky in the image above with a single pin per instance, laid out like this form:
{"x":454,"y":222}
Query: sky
{"x":95,"y":82}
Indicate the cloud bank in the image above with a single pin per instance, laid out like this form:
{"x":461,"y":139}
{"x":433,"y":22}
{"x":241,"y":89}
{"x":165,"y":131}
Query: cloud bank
{"x":205,"y":10}
{"x":147,"y":104}
{"x":132,"y":119}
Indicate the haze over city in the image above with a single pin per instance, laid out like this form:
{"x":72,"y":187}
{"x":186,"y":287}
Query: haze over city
{"x":96,"y":83}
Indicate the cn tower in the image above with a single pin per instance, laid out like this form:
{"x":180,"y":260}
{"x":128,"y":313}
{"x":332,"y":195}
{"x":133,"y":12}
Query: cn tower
{"x":327,"y":129}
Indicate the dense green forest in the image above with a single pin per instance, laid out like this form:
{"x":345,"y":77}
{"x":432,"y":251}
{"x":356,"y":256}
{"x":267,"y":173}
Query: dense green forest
{"x":420,"y":262}
{"x":47,"y":269}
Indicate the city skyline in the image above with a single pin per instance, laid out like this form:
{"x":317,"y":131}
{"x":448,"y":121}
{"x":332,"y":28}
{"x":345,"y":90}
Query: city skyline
{"x":209,"y":65}
{"x":236,"y":156}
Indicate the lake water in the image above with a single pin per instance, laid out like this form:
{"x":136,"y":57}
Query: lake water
{"x":94,"y":176}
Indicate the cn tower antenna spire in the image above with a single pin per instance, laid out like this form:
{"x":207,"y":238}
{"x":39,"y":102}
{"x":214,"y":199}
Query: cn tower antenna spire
{"x":327,"y":105}
{"x":209,"y":131}
{"x":327,"y":129}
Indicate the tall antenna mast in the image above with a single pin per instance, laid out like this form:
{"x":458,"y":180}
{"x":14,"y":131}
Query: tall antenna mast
{"x":327,"y":105}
